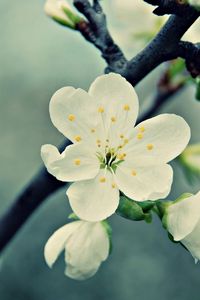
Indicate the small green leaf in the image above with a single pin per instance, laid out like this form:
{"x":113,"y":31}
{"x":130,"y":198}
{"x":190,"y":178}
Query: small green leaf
{"x":72,"y":216}
{"x":130,"y":209}
{"x":146,"y":205}
{"x":197,"y":95}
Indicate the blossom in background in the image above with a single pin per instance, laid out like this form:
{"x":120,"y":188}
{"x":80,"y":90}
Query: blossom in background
{"x":132,"y":34}
{"x":61,"y":12}
{"x":190,"y":158}
{"x":108,"y":154}
{"x":195,"y":3}
{"x":182,"y":220}
{"x":86,"y":246}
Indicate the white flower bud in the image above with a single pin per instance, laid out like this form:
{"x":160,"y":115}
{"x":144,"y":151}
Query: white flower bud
{"x":61,"y":12}
{"x":86,"y":246}
{"x":182,"y":220}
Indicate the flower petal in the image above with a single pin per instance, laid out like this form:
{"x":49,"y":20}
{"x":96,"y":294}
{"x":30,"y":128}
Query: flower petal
{"x":85,"y":250}
{"x":76,"y":273}
{"x":76,"y":162}
{"x":95,"y":199}
{"x":144,"y":183}
{"x":118,"y":100}
{"x":56,"y":243}
{"x":183,"y":216}
{"x":73,"y":112}
{"x":192,"y":242}
{"x":158,"y":140}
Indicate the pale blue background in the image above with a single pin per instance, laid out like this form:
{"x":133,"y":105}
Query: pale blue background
{"x":36,"y":58}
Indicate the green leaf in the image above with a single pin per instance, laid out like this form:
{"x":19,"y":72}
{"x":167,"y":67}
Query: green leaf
{"x":72,"y":216}
{"x":131,"y":210}
{"x":197,"y":95}
{"x":146,"y":205}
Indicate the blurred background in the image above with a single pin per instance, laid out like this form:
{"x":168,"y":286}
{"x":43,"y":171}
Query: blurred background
{"x":37,"y":57}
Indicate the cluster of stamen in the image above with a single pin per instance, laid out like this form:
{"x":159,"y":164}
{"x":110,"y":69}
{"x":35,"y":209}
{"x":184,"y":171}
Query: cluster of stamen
{"x":111,"y":157}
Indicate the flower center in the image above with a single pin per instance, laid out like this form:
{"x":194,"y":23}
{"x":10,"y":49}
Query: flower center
{"x":111,"y":158}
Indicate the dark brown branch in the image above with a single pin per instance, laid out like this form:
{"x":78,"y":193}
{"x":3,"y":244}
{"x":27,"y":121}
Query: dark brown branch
{"x":175,"y":7}
{"x":96,"y":32}
{"x":164,"y":47}
{"x":191,"y":53}
{"x":37,"y":190}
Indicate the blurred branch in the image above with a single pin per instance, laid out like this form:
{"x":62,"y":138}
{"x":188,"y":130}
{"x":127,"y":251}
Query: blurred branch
{"x":164,"y":47}
{"x":160,"y":49}
{"x":177,"y":7}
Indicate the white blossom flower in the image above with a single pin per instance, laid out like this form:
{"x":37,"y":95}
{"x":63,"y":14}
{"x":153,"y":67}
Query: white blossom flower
{"x":108,"y":154}
{"x":60,"y":11}
{"x":86,"y":246}
{"x":182,"y":220}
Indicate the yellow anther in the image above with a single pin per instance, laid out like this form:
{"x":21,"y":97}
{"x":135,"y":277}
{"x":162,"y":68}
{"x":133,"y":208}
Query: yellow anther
{"x":113,"y":119}
{"x":77,"y":162}
{"x":120,"y":147}
{"x":121,"y":136}
{"x":126,"y":141}
{"x":78,"y":138}
{"x":107,"y":140}
{"x":139,"y":136}
{"x":114,"y":185}
{"x":101,"y":109}
{"x":133,"y":173}
{"x":142,"y":129}
{"x":102,"y":179}
{"x":126,"y":107}
{"x":98,"y":141}
{"x":149,"y":146}
{"x":93,"y":130}
{"x":71,"y":117}
{"x":121,"y":156}
{"x":99,"y":145}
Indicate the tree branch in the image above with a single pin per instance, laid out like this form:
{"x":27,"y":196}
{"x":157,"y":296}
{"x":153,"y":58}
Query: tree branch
{"x":161,"y":48}
{"x":177,"y":7}
{"x":96,"y":32}
{"x":164,"y":47}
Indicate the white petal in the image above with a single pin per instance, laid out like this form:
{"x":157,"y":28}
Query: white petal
{"x":183,"y":216}
{"x":74,"y":113}
{"x":85,"y":250}
{"x":49,"y":154}
{"x":167,"y":134}
{"x":56,"y":243}
{"x":192,"y":242}
{"x":76,"y":162}
{"x":119,"y":100}
{"x":75,"y":273}
{"x":93,"y":200}
{"x":144,"y":183}
{"x":54,"y":8}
